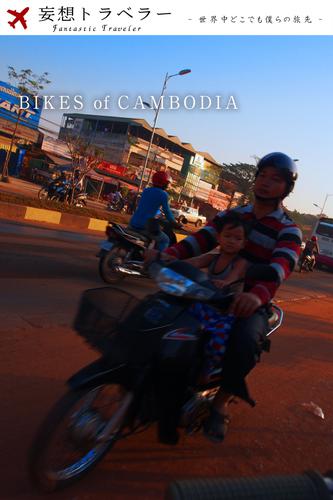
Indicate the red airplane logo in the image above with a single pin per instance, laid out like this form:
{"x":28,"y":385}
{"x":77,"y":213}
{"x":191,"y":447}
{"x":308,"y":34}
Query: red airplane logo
{"x":19,"y":16}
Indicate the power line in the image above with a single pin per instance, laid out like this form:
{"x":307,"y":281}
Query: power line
{"x":49,"y":121}
{"x":22,"y":119}
{"x":48,"y":130}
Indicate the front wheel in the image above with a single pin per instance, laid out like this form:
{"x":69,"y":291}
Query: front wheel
{"x":80,"y":203}
{"x":68,"y":443}
{"x":107,"y":264}
{"x":198,"y":223}
{"x":43,"y":194}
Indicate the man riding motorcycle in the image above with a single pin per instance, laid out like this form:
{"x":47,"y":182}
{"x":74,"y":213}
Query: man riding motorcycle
{"x":150,"y":202}
{"x":311,"y":247}
{"x":274,"y":239}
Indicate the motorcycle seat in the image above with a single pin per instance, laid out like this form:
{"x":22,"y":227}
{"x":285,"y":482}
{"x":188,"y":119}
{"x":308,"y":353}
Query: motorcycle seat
{"x":131,"y":232}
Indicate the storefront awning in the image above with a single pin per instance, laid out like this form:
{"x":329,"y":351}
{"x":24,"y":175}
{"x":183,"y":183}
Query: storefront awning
{"x":111,"y":180}
{"x":5,"y":144}
{"x":57,"y":160}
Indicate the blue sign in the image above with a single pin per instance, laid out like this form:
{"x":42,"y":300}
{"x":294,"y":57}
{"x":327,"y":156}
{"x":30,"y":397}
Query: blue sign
{"x":10,"y":107}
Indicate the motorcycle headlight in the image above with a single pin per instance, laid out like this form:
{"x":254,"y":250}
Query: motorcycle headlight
{"x":175,"y":284}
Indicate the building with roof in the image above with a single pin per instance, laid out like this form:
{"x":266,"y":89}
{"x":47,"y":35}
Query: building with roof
{"x":125,"y":142}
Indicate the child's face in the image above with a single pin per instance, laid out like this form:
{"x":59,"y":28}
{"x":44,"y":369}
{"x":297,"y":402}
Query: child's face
{"x":232,"y":239}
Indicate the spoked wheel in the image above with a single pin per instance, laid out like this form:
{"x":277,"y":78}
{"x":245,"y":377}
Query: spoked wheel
{"x":43,"y":194}
{"x":73,"y":438}
{"x":80,"y":204}
{"x":107,"y":265}
{"x":54,"y":197}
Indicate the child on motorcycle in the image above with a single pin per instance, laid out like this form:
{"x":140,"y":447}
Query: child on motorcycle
{"x":224,"y":268}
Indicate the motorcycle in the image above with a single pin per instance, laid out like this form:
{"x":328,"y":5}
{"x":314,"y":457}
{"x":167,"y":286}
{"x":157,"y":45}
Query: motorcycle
{"x":116,"y":206}
{"x":61,"y":191}
{"x":52,"y":191}
{"x":306,"y":263}
{"x":148,"y":348}
{"x":122,"y":254}
{"x":80,"y":199}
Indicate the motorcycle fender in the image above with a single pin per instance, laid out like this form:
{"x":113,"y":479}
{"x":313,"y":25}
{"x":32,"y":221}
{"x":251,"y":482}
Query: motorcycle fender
{"x":105,"y":247}
{"x":97,"y":373}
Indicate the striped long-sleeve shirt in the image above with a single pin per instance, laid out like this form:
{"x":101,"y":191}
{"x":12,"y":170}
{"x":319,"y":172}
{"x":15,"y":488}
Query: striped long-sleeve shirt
{"x":274,"y":239}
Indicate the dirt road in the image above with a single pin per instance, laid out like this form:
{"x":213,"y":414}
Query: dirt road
{"x":41,"y":282}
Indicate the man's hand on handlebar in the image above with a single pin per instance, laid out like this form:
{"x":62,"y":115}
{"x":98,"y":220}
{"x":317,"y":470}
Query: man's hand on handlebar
{"x":220,"y":283}
{"x":245,"y":304}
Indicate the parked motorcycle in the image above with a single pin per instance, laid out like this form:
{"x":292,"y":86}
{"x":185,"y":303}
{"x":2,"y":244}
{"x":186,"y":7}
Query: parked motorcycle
{"x":122,"y":254}
{"x":148,"y":347}
{"x":61,"y":191}
{"x":116,"y":206}
{"x":52,"y":191}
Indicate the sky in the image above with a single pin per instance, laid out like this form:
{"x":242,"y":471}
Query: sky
{"x":282,"y":86}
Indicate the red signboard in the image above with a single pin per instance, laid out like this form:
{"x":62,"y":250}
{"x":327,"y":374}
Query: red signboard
{"x":112,"y":168}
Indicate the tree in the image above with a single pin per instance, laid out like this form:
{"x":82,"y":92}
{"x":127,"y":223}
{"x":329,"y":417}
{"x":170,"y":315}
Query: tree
{"x":84,"y":158}
{"x":305,"y":221}
{"x":28,"y":84}
{"x":241,"y":175}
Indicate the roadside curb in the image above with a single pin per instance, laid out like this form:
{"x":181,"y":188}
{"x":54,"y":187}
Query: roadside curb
{"x":62,"y":219}
{"x":32,"y":214}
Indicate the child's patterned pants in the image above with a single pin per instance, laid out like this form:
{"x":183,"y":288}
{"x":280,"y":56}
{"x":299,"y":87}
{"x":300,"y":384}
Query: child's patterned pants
{"x":219,"y":327}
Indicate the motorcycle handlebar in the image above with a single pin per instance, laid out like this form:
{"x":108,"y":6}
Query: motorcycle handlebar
{"x":307,"y":486}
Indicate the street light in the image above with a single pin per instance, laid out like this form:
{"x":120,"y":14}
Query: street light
{"x":154,"y":157}
{"x":167,"y":77}
{"x":323,"y":207}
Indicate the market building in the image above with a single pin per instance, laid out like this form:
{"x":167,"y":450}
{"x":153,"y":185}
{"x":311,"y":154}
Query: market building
{"x":125,"y":142}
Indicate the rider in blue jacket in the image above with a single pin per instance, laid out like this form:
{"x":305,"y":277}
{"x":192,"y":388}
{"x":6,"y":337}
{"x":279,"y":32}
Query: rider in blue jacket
{"x":151,"y":201}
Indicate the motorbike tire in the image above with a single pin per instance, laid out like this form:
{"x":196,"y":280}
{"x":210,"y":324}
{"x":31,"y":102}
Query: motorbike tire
{"x":43,"y":194}
{"x":305,"y":266}
{"x":80,"y":204}
{"x":105,"y":271}
{"x":43,"y":477}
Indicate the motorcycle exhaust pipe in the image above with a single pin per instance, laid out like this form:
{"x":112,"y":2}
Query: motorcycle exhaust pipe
{"x":124,"y":270}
